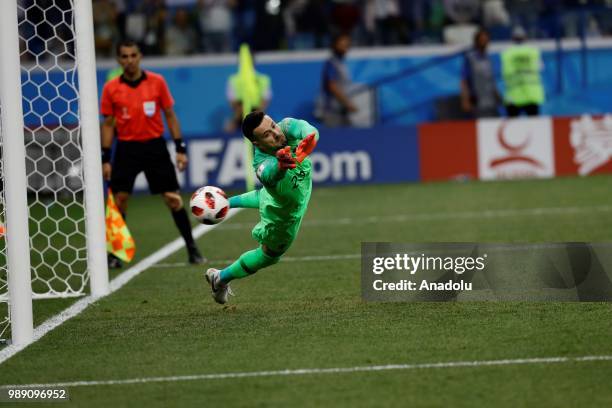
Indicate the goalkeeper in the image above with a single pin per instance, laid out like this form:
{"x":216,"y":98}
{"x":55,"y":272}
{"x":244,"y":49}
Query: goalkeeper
{"x":282,"y":166}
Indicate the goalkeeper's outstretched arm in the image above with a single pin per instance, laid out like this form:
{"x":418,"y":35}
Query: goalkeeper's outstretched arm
{"x":247,"y":200}
{"x":273,"y":169}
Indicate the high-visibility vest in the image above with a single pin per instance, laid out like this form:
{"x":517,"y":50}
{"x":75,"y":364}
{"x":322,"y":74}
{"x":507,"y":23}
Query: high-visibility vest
{"x":263,"y":88}
{"x":521,"y":66}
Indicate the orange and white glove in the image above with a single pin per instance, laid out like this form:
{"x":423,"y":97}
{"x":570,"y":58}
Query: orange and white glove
{"x":285,"y":160}
{"x":305,"y":147}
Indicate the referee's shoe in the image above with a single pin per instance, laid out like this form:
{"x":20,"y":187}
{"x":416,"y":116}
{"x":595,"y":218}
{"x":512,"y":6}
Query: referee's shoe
{"x":195,"y":257}
{"x":114,"y":262}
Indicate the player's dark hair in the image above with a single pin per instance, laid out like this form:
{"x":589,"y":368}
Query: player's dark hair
{"x":125,"y":43}
{"x":340,"y":35}
{"x":250,"y":122}
{"x":479,"y":32}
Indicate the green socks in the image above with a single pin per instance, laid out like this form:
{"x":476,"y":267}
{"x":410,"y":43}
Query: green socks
{"x":251,"y":261}
{"x":248,"y":263}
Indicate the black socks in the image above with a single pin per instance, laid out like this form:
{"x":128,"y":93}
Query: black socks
{"x":182,"y":223}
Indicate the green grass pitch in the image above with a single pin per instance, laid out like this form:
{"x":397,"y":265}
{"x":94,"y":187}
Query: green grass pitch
{"x":303,"y":314}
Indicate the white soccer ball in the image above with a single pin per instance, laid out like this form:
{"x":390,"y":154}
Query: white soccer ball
{"x":209,"y":205}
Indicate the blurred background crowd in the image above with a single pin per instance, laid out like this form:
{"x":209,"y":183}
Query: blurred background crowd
{"x":185,"y":27}
{"x":468,"y":81}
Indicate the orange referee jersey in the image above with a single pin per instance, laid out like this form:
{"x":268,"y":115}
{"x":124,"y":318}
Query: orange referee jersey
{"x":136,"y":106}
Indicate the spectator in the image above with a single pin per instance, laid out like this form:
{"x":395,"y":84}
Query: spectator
{"x":525,"y":13}
{"x":120,"y":8}
{"x":155,"y":35}
{"x":315,"y":20}
{"x":425,"y":19}
{"x":494,"y":13}
{"x":234,"y":92}
{"x":244,"y":18}
{"x":291,"y":12}
{"x":215,"y":18}
{"x":383,"y":21}
{"x":181,"y":36}
{"x":521,"y":66}
{"x":345,"y":16}
{"x":496,"y":18}
{"x":462,"y":11}
{"x":479,"y":95}
{"x":335,"y":105}
{"x":106,"y":31}
{"x":133,"y":104}
{"x":145,"y":24}
{"x":269,"y":26}
{"x":306,"y":23}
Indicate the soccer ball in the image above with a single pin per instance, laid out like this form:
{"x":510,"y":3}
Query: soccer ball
{"x":209,"y":205}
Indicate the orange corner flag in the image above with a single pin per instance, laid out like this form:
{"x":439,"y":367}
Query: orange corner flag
{"x":119,"y":241}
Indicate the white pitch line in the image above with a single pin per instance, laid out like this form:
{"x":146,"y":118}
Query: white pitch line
{"x":490,"y":247}
{"x":402,"y":218}
{"x":464,"y":215}
{"x":284,"y":259}
{"x":115,"y":285}
{"x":310,"y":371}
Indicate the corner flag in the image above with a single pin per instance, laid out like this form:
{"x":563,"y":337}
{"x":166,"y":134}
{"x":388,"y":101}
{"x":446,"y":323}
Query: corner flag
{"x":119,"y":241}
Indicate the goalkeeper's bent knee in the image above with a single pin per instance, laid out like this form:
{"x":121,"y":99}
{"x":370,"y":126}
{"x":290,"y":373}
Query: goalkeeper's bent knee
{"x":257,"y":259}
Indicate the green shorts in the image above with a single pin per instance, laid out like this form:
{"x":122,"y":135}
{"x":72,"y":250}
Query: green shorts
{"x":275,"y":235}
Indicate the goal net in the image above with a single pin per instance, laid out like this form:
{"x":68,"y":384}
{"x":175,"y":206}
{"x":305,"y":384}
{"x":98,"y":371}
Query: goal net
{"x":55,"y":163}
{"x":53,"y":148}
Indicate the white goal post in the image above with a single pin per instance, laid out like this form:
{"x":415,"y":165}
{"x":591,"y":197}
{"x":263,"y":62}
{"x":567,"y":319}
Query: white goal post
{"x":52,"y":199}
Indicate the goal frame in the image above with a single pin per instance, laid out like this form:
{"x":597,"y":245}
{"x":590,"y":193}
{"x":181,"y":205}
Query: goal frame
{"x":15,"y":180}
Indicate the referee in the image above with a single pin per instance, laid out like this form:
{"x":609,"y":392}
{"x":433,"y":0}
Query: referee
{"x":132,"y":103}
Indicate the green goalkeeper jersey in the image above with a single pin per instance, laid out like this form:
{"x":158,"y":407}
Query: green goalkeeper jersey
{"x":286,"y":192}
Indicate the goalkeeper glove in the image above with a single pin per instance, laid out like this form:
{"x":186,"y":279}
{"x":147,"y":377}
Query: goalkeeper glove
{"x":285,"y":161}
{"x":305,"y":147}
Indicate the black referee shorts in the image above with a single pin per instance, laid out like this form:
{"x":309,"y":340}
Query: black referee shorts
{"x":150,"y":156}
